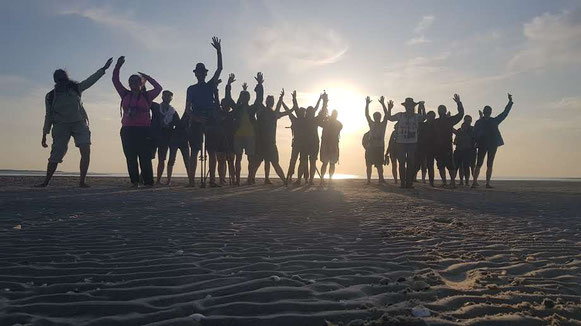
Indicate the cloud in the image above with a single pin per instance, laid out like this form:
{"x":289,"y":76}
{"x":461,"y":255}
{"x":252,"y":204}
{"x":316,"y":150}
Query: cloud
{"x":151,"y":35}
{"x":420,"y":29}
{"x":566,"y":103}
{"x":551,"y":40}
{"x":298,"y":47}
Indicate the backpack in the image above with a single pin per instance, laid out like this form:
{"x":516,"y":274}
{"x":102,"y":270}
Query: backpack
{"x":366,"y":139}
{"x":144,"y":93}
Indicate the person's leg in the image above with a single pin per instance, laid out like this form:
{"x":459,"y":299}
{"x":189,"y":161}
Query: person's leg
{"x":302,"y":168}
{"x":489,"y":164}
{"x":145,"y":153}
{"x":411,"y":161}
{"x":313,"y":170}
{"x":458,"y":156}
{"x":291,"y":164}
{"x":238,"y":166}
{"x":221,"y":157}
{"x":380,"y":173}
{"x":451,"y":169}
{"x":193,"y":165}
{"x":84,"y":164}
{"x":267,"y":172}
{"x":441,"y":164}
{"x":130,"y":150}
{"x":480,"y":161}
{"x":331,"y":170}
{"x":160,"y":167}
{"x":60,"y":140}
{"x":401,"y":160}
{"x":231,"y":169}
{"x":212,"y":155}
{"x":173,"y":151}
{"x":393,"y":160}
{"x":323,"y":171}
{"x":430,"y":168}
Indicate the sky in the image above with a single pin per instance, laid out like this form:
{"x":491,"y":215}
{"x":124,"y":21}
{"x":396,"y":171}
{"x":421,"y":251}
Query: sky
{"x":427,"y":50}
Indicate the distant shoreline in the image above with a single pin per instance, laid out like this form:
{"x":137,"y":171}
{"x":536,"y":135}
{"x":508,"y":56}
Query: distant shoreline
{"x":36,"y":173}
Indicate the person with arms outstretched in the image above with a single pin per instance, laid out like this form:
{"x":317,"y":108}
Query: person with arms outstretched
{"x":488,"y":139}
{"x":444,"y":128}
{"x":374,"y":141}
{"x":297,"y":127}
{"x":67,"y":117}
{"x":136,"y":123}
{"x":407,"y":138}
{"x":310,"y":151}
{"x":202,"y":107}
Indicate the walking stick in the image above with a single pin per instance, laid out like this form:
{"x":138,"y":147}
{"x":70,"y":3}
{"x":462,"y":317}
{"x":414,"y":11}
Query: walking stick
{"x":203,"y":161}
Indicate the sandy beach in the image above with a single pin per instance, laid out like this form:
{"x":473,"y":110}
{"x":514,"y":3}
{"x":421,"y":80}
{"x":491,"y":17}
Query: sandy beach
{"x":347,"y":254}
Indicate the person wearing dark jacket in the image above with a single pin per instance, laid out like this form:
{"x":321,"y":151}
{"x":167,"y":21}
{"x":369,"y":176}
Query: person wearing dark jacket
{"x":488,"y":139}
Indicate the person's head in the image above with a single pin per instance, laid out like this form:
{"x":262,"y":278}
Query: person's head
{"x":244,"y":98}
{"x":310,"y":112}
{"x":60,"y":77}
{"x":431,"y":116}
{"x":487,"y":111}
{"x":468,"y":119}
{"x":269,"y":101}
{"x":166,"y":96}
{"x":334,"y":115}
{"x":224,"y":104}
{"x":136,"y":83}
{"x":377,"y":117}
{"x":201,"y":72}
{"x":409,"y":105}
{"x":442,"y":110}
{"x":301,"y":112}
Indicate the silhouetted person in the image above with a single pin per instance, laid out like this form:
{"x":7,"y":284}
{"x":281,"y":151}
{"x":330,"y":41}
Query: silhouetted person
{"x":428,"y":141}
{"x":330,"y":145}
{"x":407,"y":138}
{"x":297,"y":127}
{"x":444,"y":128}
{"x":375,"y":143}
{"x":202,"y":105}
{"x":488,"y":139}
{"x":136,"y":123}
{"x":422,"y":147}
{"x":245,"y":123}
{"x":163,"y":121}
{"x":310,"y":152}
{"x":465,"y":153}
{"x":267,"y":150}
{"x":179,"y":141}
{"x":66,"y":117}
{"x":391,"y":153}
{"x":226,"y":155}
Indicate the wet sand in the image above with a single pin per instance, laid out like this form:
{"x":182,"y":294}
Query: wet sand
{"x":267,"y":255}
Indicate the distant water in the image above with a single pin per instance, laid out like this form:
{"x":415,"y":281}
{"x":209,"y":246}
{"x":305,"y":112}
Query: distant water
{"x":36,"y":173}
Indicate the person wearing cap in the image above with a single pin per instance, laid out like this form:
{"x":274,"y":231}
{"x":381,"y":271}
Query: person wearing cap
{"x":375,"y":141}
{"x":67,"y":117}
{"x":488,"y":139}
{"x":202,"y":107}
{"x":163,"y":121}
{"x":407,"y":138}
{"x":444,"y":128}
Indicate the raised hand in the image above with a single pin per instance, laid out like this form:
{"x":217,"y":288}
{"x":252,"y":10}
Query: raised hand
{"x":509,"y":97}
{"x":259,"y":78}
{"x":108,"y":64}
{"x":231,"y":79}
{"x":120,"y":61}
{"x":368,"y":100}
{"x":216,"y":43}
{"x":382,"y":100}
{"x":389,"y":104}
{"x":457,"y":98}
{"x":245,"y":86}
{"x":144,"y":75}
{"x":294,"y":94}
{"x":282,"y":93}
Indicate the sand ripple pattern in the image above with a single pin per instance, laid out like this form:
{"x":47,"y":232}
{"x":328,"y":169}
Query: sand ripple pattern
{"x":266,"y":255}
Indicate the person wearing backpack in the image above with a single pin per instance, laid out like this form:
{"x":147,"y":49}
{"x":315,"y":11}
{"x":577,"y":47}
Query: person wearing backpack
{"x":136,"y":123}
{"x":67,"y":117}
{"x":374,"y":142}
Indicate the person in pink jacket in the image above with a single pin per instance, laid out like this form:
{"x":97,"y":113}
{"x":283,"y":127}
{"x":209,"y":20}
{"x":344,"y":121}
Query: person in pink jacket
{"x":136,"y":123}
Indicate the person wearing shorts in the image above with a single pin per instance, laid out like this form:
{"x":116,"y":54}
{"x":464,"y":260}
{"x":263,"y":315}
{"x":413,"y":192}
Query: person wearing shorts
{"x":444,"y":127}
{"x":330,"y":145}
{"x":179,"y":141}
{"x":374,"y":144}
{"x":164,"y":119}
{"x":465,"y":152}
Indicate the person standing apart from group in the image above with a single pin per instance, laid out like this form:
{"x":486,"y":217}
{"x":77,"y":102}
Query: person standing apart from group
{"x":67,"y":117}
{"x":136,"y":135}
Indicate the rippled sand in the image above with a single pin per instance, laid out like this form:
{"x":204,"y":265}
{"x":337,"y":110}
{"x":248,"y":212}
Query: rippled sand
{"x":268,"y":255}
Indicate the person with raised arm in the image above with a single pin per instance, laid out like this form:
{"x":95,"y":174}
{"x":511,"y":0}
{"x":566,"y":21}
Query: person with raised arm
{"x":330,"y":144}
{"x":136,"y":123}
{"x":202,"y":107}
{"x":267,"y":151}
{"x":310,"y":152}
{"x":407,"y":138}
{"x":488,"y":139}
{"x":465,"y":152}
{"x":67,"y":117}
{"x":226,"y":155}
{"x":297,"y":129}
{"x":444,"y":128}
{"x":245,"y":124}
{"x":374,"y":139}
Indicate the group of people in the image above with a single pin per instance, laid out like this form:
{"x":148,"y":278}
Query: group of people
{"x":210,"y":129}
{"x":220,"y":131}
{"x":421,"y":139}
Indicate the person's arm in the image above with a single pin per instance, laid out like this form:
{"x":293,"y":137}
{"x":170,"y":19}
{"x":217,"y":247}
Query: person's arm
{"x":279,"y":105}
{"x":216,"y":43}
{"x":457,"y":117}
{"x":121,"y":90}
{"x":94,"y":77}
{"x":367,"y":116}
{"x":506,"y":111}
{"x":259,"y":89}
{"x":291,"y":116}
{"x":386,"y":110}
{"x":152,"y":93}
{"x":48,"y":119}
{"x":229,"y":100}
{"x":323,"y":114}
{"x":318,"y":102}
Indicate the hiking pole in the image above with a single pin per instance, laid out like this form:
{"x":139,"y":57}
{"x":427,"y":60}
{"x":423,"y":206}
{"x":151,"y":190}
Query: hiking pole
{"x":203,"y":162}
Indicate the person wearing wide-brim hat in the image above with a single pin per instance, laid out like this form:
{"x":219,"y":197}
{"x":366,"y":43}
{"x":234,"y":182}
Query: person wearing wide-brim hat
{"x":407,"y":138}
{"x":202,"y":108}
